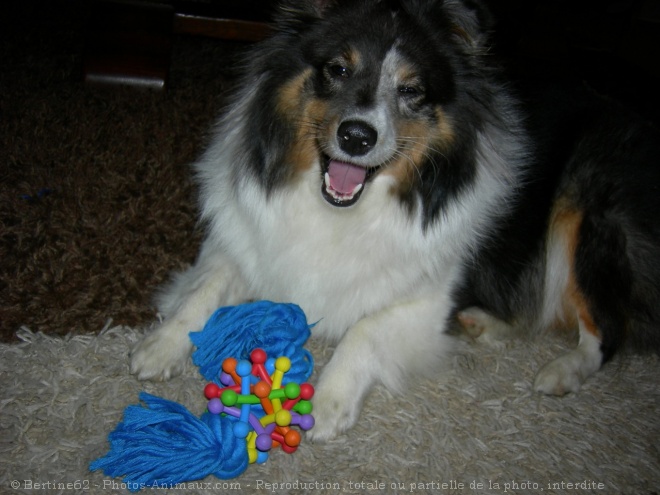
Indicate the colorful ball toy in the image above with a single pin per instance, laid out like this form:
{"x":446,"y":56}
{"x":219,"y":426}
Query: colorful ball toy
{"x":265,"y":409}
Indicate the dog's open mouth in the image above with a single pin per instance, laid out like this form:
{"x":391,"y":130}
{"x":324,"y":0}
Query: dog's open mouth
{"x":343,"y":183}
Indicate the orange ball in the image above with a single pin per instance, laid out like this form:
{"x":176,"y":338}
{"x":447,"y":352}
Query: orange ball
{"x":261,"y":389}
{"x":292,"y":438}
{"x":229,"y":365}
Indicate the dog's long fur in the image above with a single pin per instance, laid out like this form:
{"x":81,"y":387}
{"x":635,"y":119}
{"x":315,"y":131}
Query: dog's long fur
{"x":379,"y":174}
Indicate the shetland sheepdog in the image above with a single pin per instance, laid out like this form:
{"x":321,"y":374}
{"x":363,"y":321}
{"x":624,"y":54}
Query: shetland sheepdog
{"x":377,"y":170}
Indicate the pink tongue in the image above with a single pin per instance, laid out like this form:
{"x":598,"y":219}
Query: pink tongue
{"x":344,"y":177}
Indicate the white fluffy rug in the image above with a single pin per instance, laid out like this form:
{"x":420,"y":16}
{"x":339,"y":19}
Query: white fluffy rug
{"x":478,"y":428}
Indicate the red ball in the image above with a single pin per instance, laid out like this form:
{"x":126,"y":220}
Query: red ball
{"x":212,"y":391}
{"x":306,"y":391}
{"x":258,"y":356}
{"x":288,"y":449}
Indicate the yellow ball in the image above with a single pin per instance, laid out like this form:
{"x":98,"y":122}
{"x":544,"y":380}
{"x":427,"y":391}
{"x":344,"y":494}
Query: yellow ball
{"x":283,"y":364}
{"x":283,"y":417}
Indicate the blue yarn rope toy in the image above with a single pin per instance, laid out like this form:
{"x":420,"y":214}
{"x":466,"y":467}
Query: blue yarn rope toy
{"x":161,"y":443}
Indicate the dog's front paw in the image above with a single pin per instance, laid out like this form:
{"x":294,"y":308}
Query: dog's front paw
{"x":486,"y":328}
{"x":336,"y":410}
{"x":160,"y":355}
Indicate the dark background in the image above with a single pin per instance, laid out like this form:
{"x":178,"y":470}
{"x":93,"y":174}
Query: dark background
{"x":96,"y":201}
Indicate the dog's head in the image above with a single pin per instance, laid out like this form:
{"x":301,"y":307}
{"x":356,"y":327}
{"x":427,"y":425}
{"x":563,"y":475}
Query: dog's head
{"x":363,"y":88}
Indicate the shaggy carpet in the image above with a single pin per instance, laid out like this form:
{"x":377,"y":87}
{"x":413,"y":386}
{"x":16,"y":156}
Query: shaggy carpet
{"x":477,"y":428}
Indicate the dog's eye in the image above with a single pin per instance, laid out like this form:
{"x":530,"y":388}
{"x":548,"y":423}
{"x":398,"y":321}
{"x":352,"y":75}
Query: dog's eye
{"x":339,"y":71}
{"x":410,"y":91}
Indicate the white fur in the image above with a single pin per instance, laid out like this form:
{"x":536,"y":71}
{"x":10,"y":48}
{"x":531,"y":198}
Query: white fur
{"x":567,"y":373}
{"x":556,"y":279}
{"x":370,"y":274}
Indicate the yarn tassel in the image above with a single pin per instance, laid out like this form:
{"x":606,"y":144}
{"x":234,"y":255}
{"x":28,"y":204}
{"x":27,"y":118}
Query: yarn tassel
{"x":163,"y":444}
{"x":235,"y":331}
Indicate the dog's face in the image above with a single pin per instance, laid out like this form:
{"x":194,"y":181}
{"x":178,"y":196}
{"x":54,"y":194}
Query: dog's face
{"x":371,"y":90}
{"x":377,"y":115}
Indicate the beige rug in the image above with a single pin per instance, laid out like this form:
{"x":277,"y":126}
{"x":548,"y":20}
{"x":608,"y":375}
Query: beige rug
{"x":477,"y":429}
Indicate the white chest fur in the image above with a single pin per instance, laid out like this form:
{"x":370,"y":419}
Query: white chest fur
{"x":338,"y":264}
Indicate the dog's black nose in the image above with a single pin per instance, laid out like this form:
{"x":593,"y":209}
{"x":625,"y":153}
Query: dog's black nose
{"x":356,"y":138}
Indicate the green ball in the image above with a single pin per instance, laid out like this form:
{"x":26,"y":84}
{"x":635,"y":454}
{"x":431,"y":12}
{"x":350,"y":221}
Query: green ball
{"x":292,"y":390}
{"x":303,"y":407}
{"x":229,"y":397}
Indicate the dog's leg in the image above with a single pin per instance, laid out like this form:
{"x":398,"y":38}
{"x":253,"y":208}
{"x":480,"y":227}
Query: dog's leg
{"x":484,"y":327}
{"x":599,"y":291}
{"x":187,"y":303}
{"x":567,"y":373}
{"x":407,"y":337}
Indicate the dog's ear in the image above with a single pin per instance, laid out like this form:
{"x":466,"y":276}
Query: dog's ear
{"x":472,"y":22}
{"x":296,"y":15}
{"x":322,"y":5}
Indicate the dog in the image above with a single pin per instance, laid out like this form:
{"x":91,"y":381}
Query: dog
{"x":376,"y":169}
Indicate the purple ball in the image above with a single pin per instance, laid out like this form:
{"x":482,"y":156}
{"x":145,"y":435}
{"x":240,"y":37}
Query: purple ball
{"x":226,"y":379}
{"x":306,"y":422}
{"x":264,"y":443}
{"x":215,"y":406}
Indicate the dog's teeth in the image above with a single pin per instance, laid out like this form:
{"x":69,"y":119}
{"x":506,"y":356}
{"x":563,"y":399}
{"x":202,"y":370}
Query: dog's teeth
{"x":337,"y":195}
